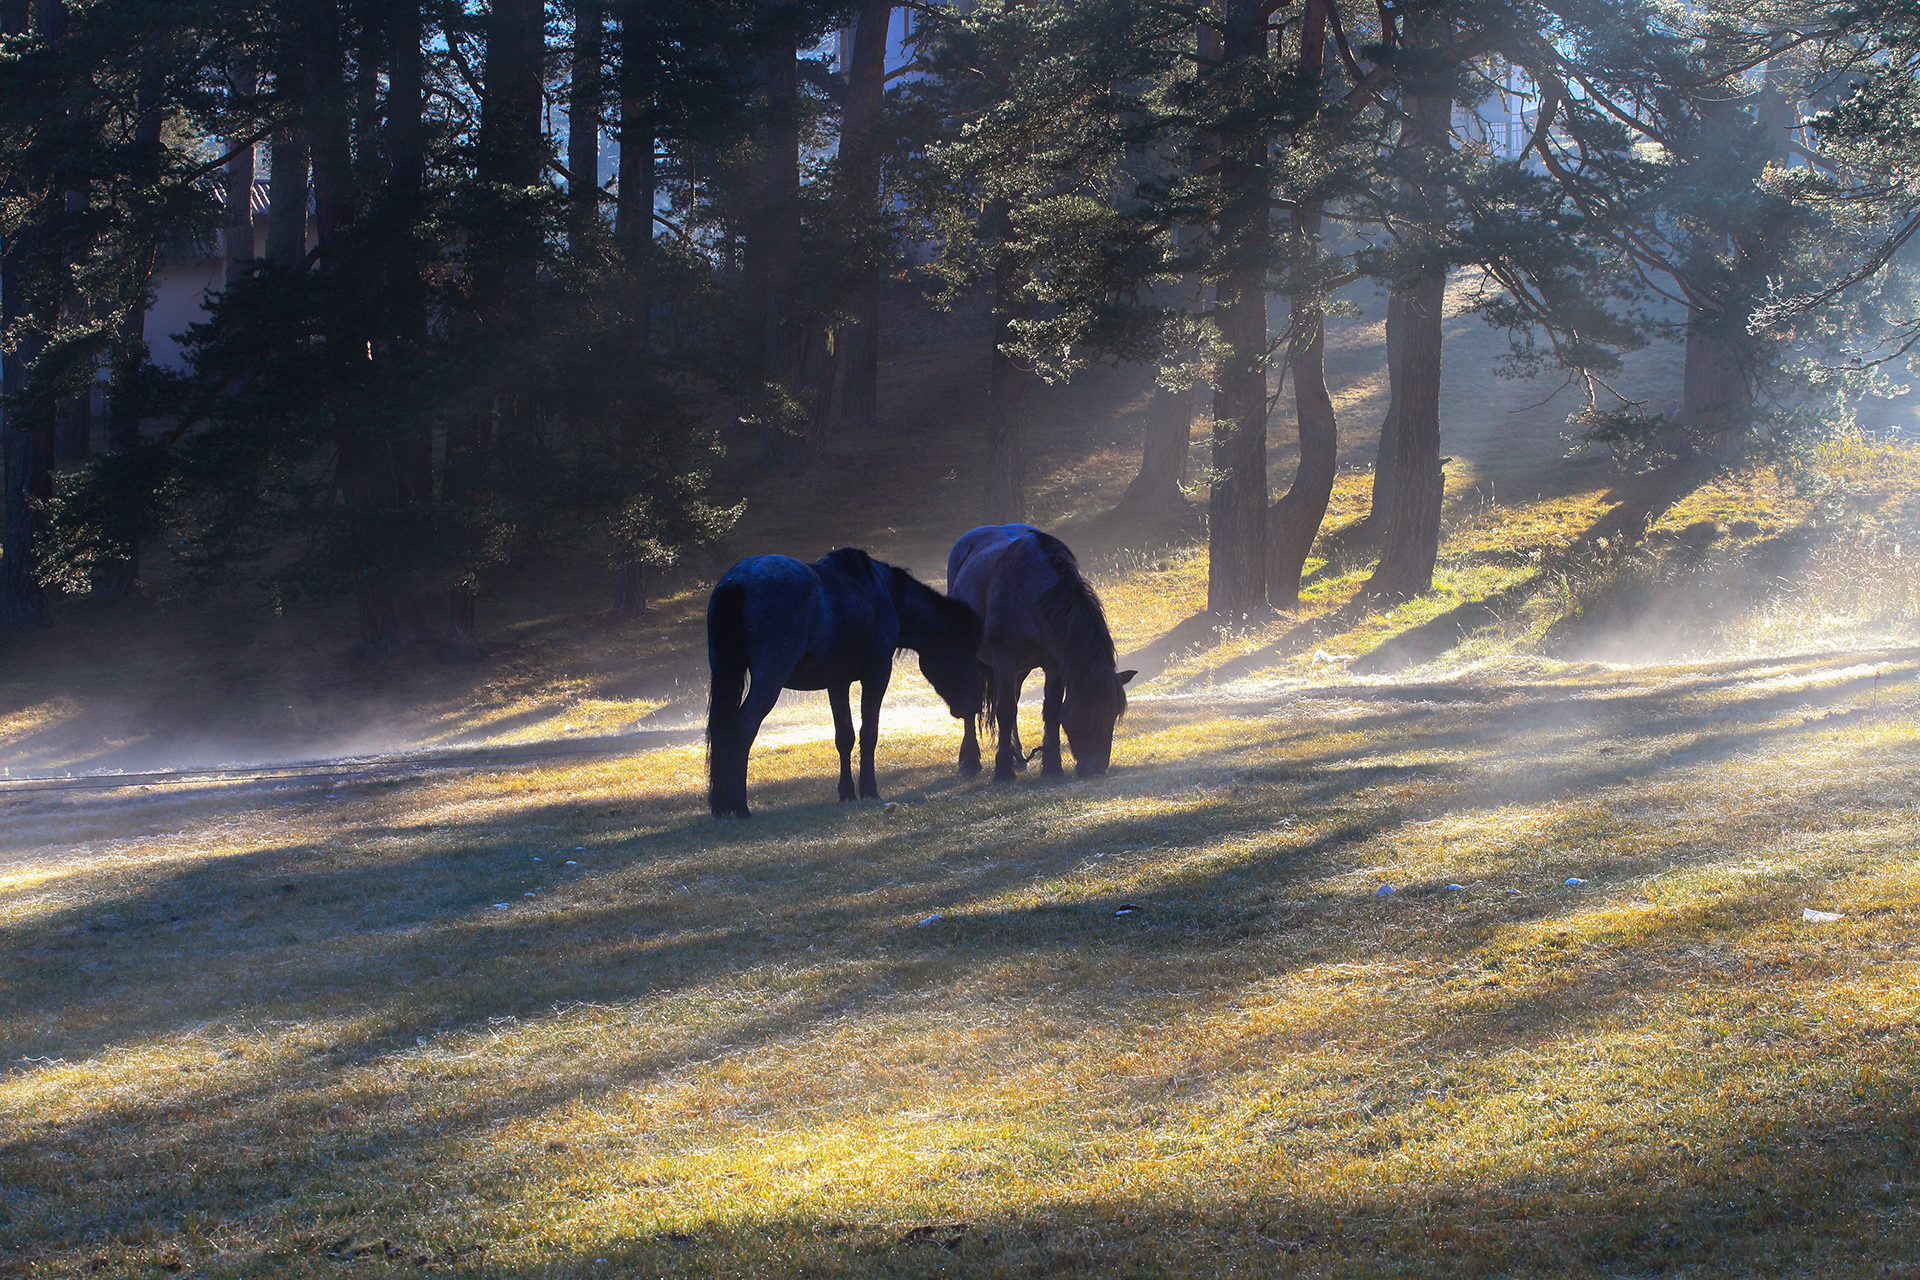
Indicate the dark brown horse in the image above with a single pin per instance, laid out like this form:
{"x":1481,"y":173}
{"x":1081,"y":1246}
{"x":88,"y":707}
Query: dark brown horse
{"x":774,"y":623}
{"x":1037,"y":611}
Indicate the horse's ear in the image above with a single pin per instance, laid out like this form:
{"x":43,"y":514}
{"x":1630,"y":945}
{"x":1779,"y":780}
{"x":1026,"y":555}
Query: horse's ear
{"x":1124,"y":676}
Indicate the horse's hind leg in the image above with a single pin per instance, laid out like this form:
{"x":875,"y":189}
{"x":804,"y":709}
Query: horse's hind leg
{"x":1006,"y":711}
{"x":1050,"y":716}
{"x":759,"y":701}
{"x":843,"y":735}
{"x":969,"y":734}
{"x":873,"y":688}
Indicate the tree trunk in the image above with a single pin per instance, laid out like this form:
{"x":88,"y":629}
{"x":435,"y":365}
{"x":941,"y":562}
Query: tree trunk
{"x":1717,"y":387}
{"x":630,"y":590}
{"x":1169,"y":435}
{"x":28,"y":451}
{"x":405,"y":207}
{"x":516,"y":48}
{"x":508,"y":157}
{"x":329,"y":135}
{"x":633,"y":228}
{"x":1237,"y":506}
{"x":1009,"y":387}
{"x":29,"y":469}
{"x":1295,"y":519}
{"x":1385,"y":456}
{"x":287,"y":160}
{"x":776,"y":252}
{"x":369,"y":484}
{"x":73,"y":430}
{"x":1411,"y":541}
{"x":437,"y":606}
{"x":819,"y":364}
{"x":236,"y":236}
{"x":633,"y":215}
{"x":860,"y":148}
{"x":1163,"y":454}
{"x":583,"y":113}
{"x":119,"y":575}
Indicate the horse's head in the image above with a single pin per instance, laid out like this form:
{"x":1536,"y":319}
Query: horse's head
{"x":949,"y":657}
{"x":1091,"y":708}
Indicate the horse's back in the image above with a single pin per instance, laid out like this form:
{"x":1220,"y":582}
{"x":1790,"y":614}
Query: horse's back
{"x":768,"y":572}
{"x":986,"y":540}
{"x":782,"y":595}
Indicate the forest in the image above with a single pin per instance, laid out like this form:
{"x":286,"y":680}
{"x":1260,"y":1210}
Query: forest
{"x":522,"y":265}
{"x":1483,"y":426}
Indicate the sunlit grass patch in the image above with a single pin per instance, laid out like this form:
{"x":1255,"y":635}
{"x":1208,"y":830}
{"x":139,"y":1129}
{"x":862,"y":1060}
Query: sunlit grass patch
{"x":1485,"y":526}
{"x":1163,"y":1021}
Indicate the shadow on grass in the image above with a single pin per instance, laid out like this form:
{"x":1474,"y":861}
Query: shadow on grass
{"x":1761,"y":1203}
{"x":669,"y":904}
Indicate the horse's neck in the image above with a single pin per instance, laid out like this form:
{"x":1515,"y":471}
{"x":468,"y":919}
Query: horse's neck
{"x":916,"y":618}
{"x":1074,"y":680}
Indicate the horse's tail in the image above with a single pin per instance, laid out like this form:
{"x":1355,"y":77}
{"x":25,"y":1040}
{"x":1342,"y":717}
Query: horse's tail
{"x":727,"y":659}
{"x":987,"y":699}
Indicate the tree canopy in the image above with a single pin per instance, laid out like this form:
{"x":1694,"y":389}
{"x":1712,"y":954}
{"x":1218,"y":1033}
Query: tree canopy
{"x":461,"y":345}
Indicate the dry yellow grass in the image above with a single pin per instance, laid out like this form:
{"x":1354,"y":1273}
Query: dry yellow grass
{"x":555,"y":1019}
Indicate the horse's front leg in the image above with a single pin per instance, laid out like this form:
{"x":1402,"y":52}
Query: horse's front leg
{"x":843,"y":734}
{"x":1006,"y":710}
{"x":873,"y":688}
{"x":1050,"y":702}
{"x":969,"y":736}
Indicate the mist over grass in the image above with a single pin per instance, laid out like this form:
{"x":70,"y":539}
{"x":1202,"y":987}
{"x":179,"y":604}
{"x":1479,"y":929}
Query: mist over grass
{"x":556,"y":1019}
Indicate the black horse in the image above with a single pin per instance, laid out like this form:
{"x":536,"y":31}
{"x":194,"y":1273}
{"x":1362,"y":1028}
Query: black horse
{"x":1037,"y":611}
{"x":823,"y":626}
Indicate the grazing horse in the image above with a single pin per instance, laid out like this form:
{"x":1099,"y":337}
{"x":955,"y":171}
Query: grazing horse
{"x":822,"y":626}
{"x":1037,"y":611}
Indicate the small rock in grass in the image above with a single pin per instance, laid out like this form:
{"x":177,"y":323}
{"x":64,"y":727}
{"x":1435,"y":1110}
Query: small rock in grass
{"x":501,"y":906}
{"x":572,"y":863}
{"x":527,"y":894}
{"x":930,"y":919}
{"x":1574,"y":882}
{"x":1384,"y":891}
{"x":1455,"y":888}
{"x":1126,"y":909}
{"x":1820,"y":917}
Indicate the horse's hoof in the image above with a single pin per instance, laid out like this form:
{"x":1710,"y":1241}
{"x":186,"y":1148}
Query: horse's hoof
{"x":969,"y":771}
{"x":1053,"y":771}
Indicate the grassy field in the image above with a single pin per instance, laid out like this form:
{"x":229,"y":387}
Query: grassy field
{"x":555,"y":1020}
{"x":1465,"y":937}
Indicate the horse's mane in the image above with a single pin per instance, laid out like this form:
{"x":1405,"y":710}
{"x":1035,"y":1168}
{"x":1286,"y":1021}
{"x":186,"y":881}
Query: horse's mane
{"x":1071,"y":612}
{"x":850,"y":559}
{"x":920,"y":607}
